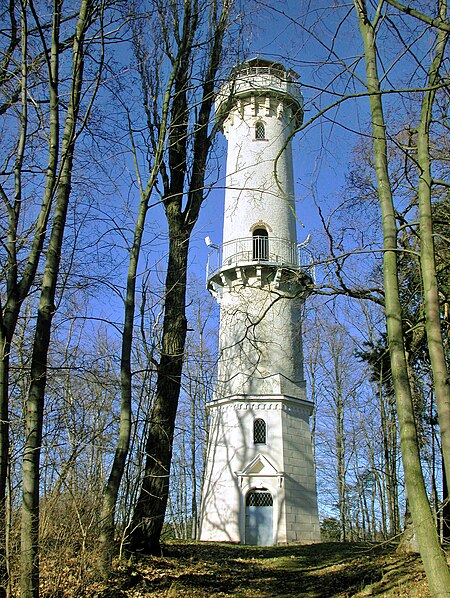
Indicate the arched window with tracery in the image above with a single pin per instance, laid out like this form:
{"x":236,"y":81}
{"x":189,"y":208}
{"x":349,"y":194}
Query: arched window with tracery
{"x":259,"y":431}
{"x":260,"y":131}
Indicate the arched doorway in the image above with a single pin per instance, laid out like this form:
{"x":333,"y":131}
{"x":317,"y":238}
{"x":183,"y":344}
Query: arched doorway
{"x":260,"y":244}
{"x":259,"y":518}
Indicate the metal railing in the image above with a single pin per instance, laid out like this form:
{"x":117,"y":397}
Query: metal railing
{"x":259,"y":250}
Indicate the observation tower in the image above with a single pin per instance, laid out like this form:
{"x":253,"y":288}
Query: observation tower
{"x":260,"y":485}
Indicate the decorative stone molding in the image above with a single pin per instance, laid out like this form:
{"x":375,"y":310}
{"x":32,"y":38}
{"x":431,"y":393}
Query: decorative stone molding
{"x":255,"y":405}
{"x":260,"y":224}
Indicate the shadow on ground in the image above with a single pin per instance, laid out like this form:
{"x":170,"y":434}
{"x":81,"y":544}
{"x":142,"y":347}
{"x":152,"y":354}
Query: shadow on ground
{"x":219,"y":570}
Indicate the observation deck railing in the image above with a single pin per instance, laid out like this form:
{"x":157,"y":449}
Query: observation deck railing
{"x":258,"y":250}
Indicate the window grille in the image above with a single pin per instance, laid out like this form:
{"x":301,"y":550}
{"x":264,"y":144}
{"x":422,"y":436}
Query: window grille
{"x":260,"y":244}
{"x":260,"y":131}
{"x":259,"y":498}
{"x":259,"y":431}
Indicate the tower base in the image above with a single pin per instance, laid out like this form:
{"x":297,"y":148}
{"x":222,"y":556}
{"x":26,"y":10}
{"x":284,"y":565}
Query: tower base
{"x":260,"y":493}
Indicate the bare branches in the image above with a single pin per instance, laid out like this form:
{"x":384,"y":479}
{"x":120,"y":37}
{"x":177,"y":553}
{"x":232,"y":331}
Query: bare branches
{"x":439,"y":23}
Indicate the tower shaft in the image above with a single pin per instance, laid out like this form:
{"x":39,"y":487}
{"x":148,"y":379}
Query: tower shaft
{"x":260,"y":480}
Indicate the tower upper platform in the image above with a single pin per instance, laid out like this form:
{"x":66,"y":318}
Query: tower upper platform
{"x":260,"y":76}
{"x":254,"y":253}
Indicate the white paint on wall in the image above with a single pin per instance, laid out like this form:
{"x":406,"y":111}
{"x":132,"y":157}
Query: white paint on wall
{"x":261,"y":296}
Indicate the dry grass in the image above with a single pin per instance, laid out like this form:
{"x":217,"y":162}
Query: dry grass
{"x":221,"y":570}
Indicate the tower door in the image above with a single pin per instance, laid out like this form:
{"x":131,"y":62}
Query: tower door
{"x":259,"y":518}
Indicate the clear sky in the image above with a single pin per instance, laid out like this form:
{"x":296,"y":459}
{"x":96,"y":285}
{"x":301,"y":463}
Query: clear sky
{"x":323,"y":150}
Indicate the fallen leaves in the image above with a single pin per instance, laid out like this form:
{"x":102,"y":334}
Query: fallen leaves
{"x":208,"y":570}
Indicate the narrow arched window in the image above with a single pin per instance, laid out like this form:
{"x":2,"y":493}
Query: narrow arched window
{"x":259,"y":431}
{"x":260,"y":244}
{"x":260,"y":131}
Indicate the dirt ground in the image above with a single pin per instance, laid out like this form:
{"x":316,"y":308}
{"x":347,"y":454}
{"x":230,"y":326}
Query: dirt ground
{"x":217,"y":570}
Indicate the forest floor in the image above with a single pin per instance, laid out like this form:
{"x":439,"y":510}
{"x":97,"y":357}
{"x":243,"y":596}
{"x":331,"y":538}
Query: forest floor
{"x":224,"y":570}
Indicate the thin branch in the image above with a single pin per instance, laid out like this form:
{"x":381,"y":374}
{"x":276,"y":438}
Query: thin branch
{"x":440,"y":24}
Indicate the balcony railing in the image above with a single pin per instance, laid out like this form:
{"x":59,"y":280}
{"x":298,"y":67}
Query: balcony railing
{"x":257,"y":250}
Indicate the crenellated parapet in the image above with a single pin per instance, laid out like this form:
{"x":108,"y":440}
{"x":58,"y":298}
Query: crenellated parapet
{"x":261,"y":87}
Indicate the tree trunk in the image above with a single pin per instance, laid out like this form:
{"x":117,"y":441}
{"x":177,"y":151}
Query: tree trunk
{"x":29,"y":582}
{"x":433,"y":330}
{"x":17,"y":290}
{"x":4,"y":458}
{"x":182,"y":175}
{"x":111,"y":492}
{"x":433,"y":558}
{"x":341,"y":467}
{"x":391,"y":453}
{"x":148,"y":517}
{"x":193,"y":447}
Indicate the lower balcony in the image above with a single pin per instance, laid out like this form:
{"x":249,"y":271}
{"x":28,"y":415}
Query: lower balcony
{"x":256,"y":250}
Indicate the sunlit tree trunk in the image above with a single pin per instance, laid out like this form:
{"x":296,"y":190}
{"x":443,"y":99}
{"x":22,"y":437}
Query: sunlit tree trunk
{"x":29,"y":584}
{"x":18,"y":285}
{"x":439,"y":368}
{"x":433,"y":558}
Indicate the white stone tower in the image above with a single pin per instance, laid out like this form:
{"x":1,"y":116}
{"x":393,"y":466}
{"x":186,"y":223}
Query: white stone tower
{"x":259,"y":483}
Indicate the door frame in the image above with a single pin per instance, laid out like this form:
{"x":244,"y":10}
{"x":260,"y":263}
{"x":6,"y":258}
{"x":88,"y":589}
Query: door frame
{"x":262,"y":530}
{"x":259,"y":484}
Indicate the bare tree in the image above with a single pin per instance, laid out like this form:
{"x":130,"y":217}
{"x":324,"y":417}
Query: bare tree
{"x":35,"y":168}
{"x":160,"y":132}
{"x":195,"y":49}
{"x":16,"y":284}
{"x":61,"y":152}
{"x":433,"y":558}
{"x":427,"y":245}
